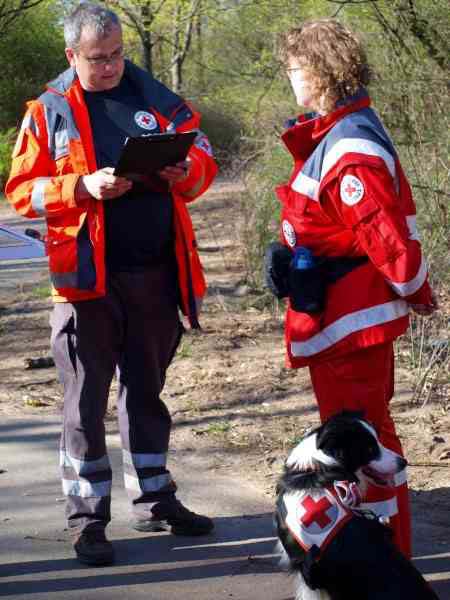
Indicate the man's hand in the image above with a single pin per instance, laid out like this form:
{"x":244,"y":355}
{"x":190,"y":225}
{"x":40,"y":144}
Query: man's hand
{"x":176,"y":173}
{"x":425,"y":310}
{"x":102,"y":185}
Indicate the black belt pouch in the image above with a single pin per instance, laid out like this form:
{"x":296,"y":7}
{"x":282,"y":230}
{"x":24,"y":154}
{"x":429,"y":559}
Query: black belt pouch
{"x":308,"y":289}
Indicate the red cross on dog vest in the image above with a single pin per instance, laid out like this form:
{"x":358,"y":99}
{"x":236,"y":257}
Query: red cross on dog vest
{"x":314,"y":517}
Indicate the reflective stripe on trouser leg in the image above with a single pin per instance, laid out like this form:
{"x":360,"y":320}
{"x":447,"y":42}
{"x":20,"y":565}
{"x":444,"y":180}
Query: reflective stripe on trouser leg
{"x":84,"y":336}
{"x":364,"y":381}
{"x":146,"y":478}
{"x":87,"y":485}
{"x":151,"y":337}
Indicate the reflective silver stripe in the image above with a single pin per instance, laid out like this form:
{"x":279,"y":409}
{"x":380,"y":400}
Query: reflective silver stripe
{"x":149,"y":484}
{"x":61,"y":143}
{"x":202,"y":142}
{"x":384,"y":508}
{"x":401,"y":478}
{"x":411,"y":286}
{"x":355,"y":321}
{"x":29,"y":123}
{"x":85,"y":489}
{"x":411,"y":221}
{"x":306,"y":185}
{"x":59,"y":122}
{"x":27,"y":120}
{"x":38,"y":195}
{"x":62,"y":280}
{"x":359,"y":146}
{"x":84,"y":467}
{"x":141,"y":461}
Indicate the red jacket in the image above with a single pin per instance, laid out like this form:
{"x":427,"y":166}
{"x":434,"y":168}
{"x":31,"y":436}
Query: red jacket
{"x":55,"y":147}
{"x":348,"y":197}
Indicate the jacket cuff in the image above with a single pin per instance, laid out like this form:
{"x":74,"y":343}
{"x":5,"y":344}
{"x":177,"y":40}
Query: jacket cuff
{"x":193,"y":183}
{"x":74,"y":201}
{"x":422,"y":296}
{"x":69,"y":185}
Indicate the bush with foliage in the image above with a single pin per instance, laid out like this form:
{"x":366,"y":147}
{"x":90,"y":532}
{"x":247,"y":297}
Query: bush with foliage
{"x":31,"y":53}
{"x":7,"y":140}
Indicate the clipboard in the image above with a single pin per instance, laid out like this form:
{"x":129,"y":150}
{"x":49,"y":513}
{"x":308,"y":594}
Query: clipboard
{"x":144,"y":156}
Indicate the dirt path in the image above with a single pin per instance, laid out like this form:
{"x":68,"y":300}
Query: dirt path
{"x":227,"y":389}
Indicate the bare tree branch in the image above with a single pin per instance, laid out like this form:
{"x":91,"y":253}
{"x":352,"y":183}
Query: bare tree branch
{"x":430,"y":189}
{"x":407,"y":14}
{"x":10,"y":10}
{"x":182,"y":43}
{"x":435,"y":45}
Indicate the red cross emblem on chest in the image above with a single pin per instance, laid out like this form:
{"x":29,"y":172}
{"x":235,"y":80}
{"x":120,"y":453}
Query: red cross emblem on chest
{"x":145,"y":120}
{"x":315,"y":512}
{"x":350,"y":190}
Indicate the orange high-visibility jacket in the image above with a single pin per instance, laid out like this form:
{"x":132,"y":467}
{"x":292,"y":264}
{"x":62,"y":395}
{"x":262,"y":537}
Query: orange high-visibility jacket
{"x":55,"y":147}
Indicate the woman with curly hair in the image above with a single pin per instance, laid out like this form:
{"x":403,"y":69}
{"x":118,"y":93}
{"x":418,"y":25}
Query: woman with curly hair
{"x":349,"y":206}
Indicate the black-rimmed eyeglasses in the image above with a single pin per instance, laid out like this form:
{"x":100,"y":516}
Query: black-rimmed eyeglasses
{"x":102,"y":61}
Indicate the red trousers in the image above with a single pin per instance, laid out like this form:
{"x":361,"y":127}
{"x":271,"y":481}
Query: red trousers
{"x":364,"y":381}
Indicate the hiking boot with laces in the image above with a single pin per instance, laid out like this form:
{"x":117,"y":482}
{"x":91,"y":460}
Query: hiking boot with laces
{"x":92,"y":548}
{"x":176,"y":518}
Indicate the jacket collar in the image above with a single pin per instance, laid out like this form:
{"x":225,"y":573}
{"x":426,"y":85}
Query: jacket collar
{"x":63,"y":82}
{"x":153,"y":92}
{"x":309,"y":129}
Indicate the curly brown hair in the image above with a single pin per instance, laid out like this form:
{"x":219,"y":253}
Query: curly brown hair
{"x":332,"y":56}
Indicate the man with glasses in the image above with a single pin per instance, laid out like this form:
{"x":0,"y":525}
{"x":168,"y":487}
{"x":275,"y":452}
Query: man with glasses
{"x":122,"y":259}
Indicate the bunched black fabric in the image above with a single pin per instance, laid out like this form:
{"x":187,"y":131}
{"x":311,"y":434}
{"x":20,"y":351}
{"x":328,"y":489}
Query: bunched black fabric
{"x":277,"y":259}
{"x":305,"y":288}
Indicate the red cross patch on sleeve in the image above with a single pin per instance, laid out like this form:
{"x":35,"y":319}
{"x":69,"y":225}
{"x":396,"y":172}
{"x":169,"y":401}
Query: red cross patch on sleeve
{"x":352,"y":190}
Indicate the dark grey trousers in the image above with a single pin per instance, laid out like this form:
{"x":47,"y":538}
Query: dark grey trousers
{"x":135,"y":329}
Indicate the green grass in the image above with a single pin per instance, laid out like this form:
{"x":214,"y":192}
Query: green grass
{"x":41,"y":291}
{"x":220,"y":427}
{"x":185,"y":349}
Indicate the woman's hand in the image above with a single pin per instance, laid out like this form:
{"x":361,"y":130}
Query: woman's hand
{"x":425,"y":310}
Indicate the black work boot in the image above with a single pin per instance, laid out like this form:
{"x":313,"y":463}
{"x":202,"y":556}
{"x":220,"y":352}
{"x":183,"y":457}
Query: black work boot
{"x":92,"y":548}
{"x":175,"y":517}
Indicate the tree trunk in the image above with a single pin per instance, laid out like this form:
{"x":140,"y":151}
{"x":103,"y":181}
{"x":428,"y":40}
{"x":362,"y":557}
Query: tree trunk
{"x":146,"y":38}
{"x":200,"y":65}
{"x":175,"y":68}
{"x":146,"y":52}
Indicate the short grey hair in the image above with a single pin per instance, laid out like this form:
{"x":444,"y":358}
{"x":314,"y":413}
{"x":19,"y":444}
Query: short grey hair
{"x":92,"y":16}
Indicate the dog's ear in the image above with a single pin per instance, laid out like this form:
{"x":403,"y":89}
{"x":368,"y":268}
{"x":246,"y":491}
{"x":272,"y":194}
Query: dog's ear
{"x":336,"y":438}
{"x":347,"y":440}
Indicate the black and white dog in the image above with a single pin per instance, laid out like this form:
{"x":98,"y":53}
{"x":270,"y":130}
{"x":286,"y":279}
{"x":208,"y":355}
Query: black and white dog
{"x":337,"y":550}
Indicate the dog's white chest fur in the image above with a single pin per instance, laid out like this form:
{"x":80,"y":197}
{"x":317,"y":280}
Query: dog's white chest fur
{"x":314,"y":516}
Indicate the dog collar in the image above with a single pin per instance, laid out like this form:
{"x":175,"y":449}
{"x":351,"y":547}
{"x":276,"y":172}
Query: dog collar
{"x":348,"y":493}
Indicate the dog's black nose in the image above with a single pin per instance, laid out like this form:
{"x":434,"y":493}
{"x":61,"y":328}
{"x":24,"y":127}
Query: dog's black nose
{"x":402,"y":463}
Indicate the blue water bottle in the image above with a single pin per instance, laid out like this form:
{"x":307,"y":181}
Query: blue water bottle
{"x":306,"y":282}
{"x":303,"y":258}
